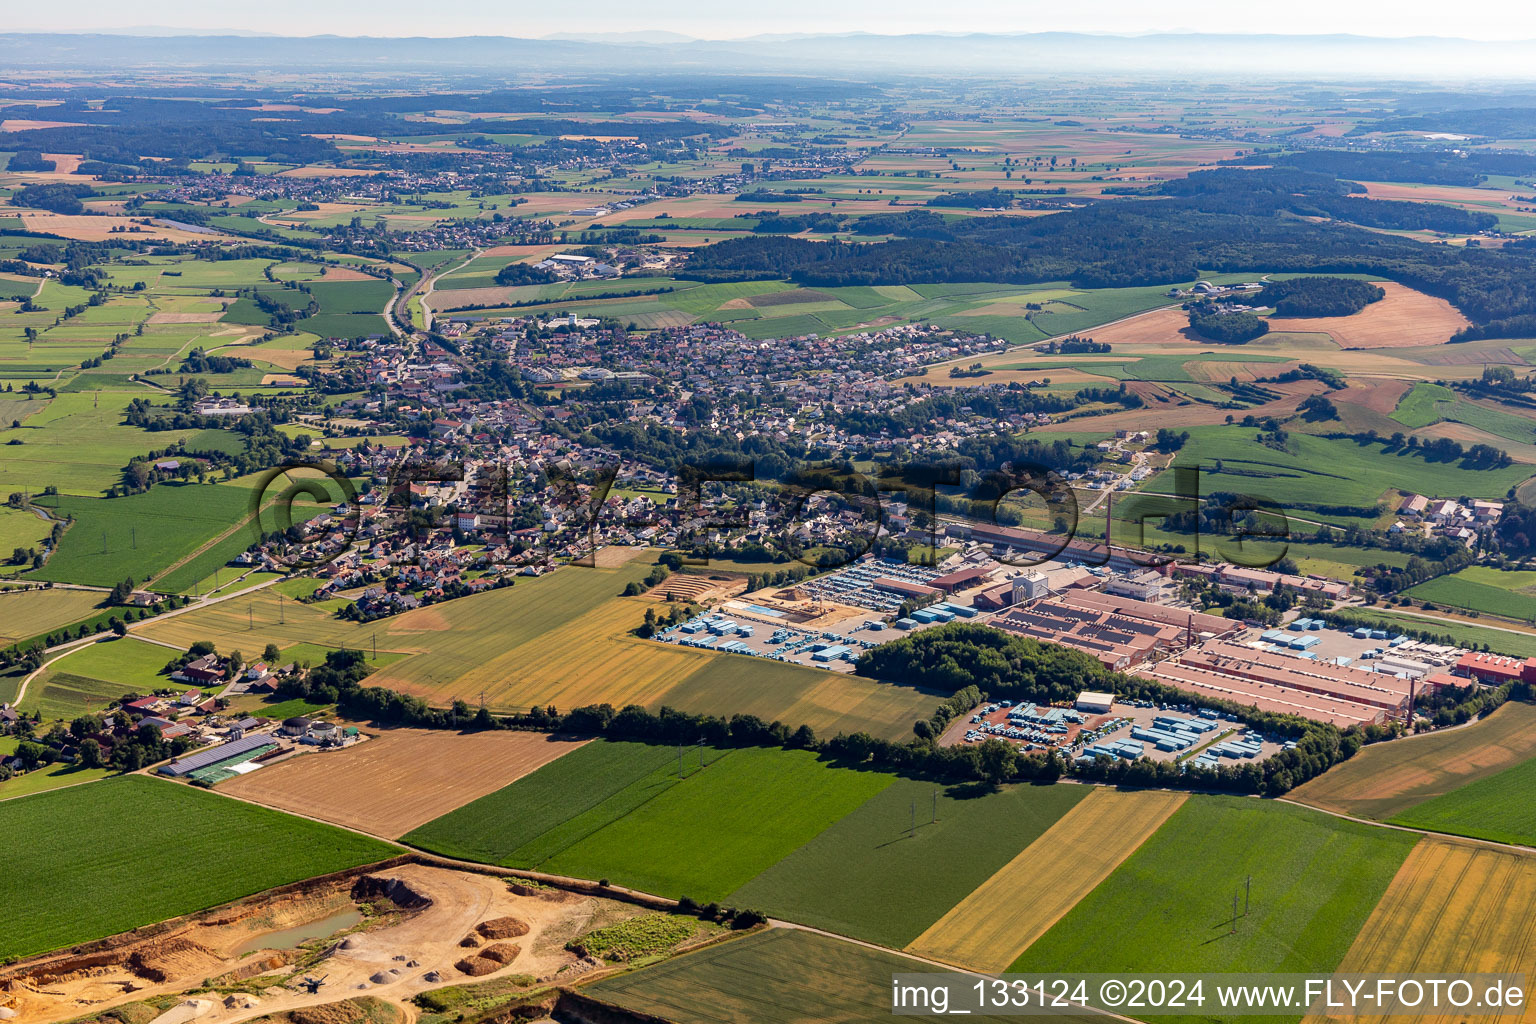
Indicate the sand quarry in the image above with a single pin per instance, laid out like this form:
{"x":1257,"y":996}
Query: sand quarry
{"x":429,"y":927}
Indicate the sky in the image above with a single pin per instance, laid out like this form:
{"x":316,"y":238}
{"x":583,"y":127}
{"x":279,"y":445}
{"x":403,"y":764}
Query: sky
{"x":712,"y":19}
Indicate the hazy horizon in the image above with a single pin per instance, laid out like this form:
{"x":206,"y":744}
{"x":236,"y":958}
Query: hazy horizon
{"x":1486,"y":21}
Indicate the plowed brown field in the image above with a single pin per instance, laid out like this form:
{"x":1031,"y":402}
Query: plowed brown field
{"x":399,"y":779}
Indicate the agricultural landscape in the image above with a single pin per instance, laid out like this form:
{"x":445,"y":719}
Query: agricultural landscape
{"x":631,"y":530}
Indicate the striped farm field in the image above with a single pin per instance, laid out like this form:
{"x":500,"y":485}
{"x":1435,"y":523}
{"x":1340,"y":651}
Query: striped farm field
{"x":896,"y":864}
{"x":562,"y":639}
{"x":1046,"y":880}
{"x":587,"y":659}
{"x":25,"y":613}
{"x":1452,"y":907}
{"x":1385,"y":779}
{"x":1303,"y":883}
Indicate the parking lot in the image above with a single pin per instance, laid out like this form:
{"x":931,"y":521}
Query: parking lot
{"x":1034,"y":728}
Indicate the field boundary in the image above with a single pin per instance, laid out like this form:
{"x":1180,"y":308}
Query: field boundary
{"x":1048,"y":877}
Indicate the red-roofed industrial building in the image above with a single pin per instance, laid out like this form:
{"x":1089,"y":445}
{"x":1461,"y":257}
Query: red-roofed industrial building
{"x":1492,"y":668}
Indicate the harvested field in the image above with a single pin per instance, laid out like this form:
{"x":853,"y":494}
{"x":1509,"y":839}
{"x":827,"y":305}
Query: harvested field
{"x":22,"y":124}
{"x":1046,"y":880}
{"x":24,"y":613}
{"x":87,"y":228}
{"x":185,"y":318}
{"x":1386,"y":779}
{"x":1380,"y":396}
{"x":400,"y":779}
{"x":1452,"y":908}
{"x":1404,"y":319}
{"x":612,"y":556}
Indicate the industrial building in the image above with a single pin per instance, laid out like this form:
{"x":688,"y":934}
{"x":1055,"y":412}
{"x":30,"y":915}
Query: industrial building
{"x":1321,"y":691}
{"x":1118,"y":641}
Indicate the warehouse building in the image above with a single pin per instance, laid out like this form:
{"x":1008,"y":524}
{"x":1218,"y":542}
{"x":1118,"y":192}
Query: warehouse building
{"x":1118,"y":641}
{"x":1318,"y":690}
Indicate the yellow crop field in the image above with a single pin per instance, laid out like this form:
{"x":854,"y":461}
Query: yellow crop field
{"x":588,"y":659}
{"x":250,"y":622}
{"x":563,"y":639}
{"x":988,"y":929}
{"x":25,"y":613}
{"x":1453,"y":907}
{"x":1385,"y":779}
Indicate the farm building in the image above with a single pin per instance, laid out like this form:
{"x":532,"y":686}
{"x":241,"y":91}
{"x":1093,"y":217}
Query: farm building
{"x":215,"y":756}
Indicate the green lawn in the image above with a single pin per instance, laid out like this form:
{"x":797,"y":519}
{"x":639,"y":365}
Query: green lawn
{"x":90,"y":861}
{"x":1315,"y":879}
{"x":864,"y":877}
{"x":1499,"y":808}
{"x":55,"y":776}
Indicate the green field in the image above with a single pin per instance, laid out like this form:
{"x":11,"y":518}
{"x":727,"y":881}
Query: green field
{"x":1427,"y":404}
{"x":1482,"y":588}
{"x":130,"y":851}
{"x":1168,"y":907}
{"x":93,"y":677}
{"x":1335,"y":471}
{"x":1498,"y":808}
{"x":521,"y":824}
{"x":622,"y":812}
{"x":721,"y":826}
{"x":863,"y":877}
{"x":136,"y":536}
{"x":76,"y":444}
{"x":55,"y":776}
{"x":782,"y":975}
{"x":1500,"y":641}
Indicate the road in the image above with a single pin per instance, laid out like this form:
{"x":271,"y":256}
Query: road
{"x":69,"y":647}
{"x":401,"y":324}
